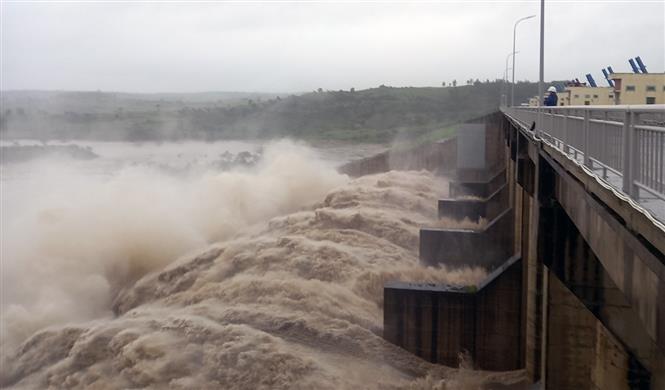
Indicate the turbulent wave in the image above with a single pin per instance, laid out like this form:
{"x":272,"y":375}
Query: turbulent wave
{"x":72,"y":240}
{"x":292,"y":302}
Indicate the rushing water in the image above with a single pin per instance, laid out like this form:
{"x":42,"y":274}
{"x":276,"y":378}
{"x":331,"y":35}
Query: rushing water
{"x":123,"y":272}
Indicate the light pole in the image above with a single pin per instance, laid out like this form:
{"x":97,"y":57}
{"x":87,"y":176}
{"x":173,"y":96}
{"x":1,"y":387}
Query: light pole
{"x":512,"y":91}
{"x":541,"y":76}
{"x":505,"y":73}
{"x":504,"y":89}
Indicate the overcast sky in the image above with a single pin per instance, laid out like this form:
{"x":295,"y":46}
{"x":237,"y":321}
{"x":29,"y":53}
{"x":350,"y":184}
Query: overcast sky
{"x":300,"y":46}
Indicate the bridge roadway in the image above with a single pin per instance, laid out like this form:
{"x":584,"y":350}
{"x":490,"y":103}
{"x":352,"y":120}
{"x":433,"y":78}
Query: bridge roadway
{"x":571,"y":205}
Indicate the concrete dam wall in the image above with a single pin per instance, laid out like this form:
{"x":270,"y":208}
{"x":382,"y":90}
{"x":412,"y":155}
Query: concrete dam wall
{"x":438,"y":157}
{"x":575,"y":293}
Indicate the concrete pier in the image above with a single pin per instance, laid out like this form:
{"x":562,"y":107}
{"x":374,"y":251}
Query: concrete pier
{"x":438,"y":322}
{"x":475,"y":209}
{"x":487,"y":246}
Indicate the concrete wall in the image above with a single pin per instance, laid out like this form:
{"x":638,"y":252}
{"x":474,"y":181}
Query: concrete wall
{"x":481,"y":187}
{"x":572,"y":261}
{"x":437,"y":323}
{"x":486,"y":247}
{"x":474,"y":209}
{"x":471,"y":144}
{"x":493,"y":153}
{"x":441,"y":156}
{"x":498,"y":319}
{"x":581,"y":352}
{"x":525,"y":233}
{"x":438,"y":157}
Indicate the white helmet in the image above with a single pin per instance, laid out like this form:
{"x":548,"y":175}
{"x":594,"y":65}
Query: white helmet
{"x":551,"y":89}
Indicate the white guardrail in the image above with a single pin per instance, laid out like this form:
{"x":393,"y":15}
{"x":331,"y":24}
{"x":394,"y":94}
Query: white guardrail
{"x":625,"y":145}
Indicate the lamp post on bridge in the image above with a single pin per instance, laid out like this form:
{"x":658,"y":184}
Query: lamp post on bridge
{"x":512,"y":90}
{"x":505,"y":73}
{"x":541,"y":71}
{"x":504,"y":98}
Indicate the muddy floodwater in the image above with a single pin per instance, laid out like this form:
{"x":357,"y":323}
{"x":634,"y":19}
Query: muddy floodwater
{"x":160,"y":270}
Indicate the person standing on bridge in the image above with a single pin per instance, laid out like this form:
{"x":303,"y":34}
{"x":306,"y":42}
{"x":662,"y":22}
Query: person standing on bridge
{"x":551,"y":99}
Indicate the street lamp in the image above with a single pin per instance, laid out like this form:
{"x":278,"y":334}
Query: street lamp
{"x":512,"y":91}
{"x":505,"y":73}
{"x":541,"y":78}
{"x":504,"y":89}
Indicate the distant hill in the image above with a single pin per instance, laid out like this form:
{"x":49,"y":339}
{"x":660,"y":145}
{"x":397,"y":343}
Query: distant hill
{"x":54,"y":102}
{"x":371,"y":115}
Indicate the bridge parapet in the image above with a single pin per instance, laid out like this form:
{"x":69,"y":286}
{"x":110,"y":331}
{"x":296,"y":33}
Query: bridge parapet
{"x":623,"y":145}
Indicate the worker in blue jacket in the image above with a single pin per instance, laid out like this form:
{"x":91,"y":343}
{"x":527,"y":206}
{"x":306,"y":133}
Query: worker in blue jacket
{"x":551,"y":99}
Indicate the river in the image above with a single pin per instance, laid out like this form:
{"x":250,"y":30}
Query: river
{"x":149,"y":267}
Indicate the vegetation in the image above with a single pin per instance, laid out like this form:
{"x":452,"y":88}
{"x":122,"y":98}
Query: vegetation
{"x":380,"y":114}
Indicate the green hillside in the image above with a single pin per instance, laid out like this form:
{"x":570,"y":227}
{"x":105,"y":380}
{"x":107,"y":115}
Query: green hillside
{"x":372,"y":115}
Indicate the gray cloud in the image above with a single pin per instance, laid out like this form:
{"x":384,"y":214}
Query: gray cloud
{"x":277,"y":46}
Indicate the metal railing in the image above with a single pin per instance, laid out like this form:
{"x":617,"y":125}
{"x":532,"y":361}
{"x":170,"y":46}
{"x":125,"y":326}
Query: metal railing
{"x":625,"y":145}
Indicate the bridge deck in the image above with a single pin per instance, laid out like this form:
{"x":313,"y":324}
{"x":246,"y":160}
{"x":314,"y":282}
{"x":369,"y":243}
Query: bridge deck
{"x":624,"y":146}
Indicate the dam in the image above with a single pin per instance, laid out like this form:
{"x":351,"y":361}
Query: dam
{"x":564,"y":208}
{"x":511,"y":253}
